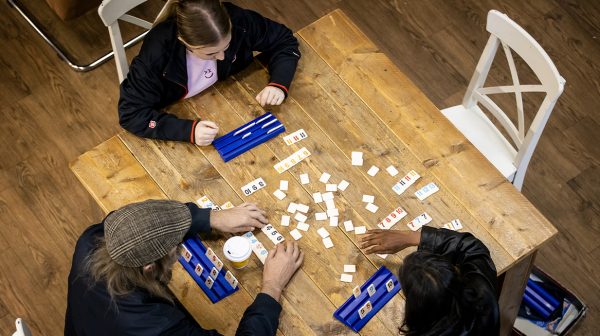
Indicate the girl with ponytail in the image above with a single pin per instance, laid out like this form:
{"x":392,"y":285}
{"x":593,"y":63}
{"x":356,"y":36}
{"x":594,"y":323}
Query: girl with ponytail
{"x":192,"y":44}
{"x":450,"y":282}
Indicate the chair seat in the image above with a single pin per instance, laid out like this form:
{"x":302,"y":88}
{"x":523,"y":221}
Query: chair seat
{"x":482,"y":133}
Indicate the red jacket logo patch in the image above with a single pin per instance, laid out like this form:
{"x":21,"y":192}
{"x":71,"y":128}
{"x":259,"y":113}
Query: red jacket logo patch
{"x":152,"y":124}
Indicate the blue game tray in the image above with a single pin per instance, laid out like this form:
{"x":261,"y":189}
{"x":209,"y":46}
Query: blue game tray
{"x":220,"y":288}
{"x":348,"y":313}
{"x":248,"y":136}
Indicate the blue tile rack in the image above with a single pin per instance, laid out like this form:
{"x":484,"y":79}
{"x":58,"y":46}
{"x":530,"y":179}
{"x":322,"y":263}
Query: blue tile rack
{"x":221,"y":287}
{"x":248,"y":136}
{"x":348,"y":313}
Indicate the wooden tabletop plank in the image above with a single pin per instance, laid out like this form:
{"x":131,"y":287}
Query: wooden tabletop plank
{"x":185,"y":174}
{"x":115,"y":178}
{"x":335,"y":103}
{"x":321,"y":265}
{"x":504,"y":212}
{"x":179,"y":169}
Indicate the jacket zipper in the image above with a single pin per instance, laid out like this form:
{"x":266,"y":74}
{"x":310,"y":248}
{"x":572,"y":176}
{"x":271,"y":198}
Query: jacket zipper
{"x":183,"y":86}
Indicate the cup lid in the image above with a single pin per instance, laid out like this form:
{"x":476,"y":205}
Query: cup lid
{"x":237,"y":249}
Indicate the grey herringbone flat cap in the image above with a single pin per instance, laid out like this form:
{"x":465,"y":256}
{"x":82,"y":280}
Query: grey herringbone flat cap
{"x":140,"y":233}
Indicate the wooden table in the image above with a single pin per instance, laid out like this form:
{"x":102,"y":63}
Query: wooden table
{"x":347,"y":96}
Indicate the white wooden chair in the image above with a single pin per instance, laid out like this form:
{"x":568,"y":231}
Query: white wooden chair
{"x":22,"y":328}
{"x":111,"y":11}
{"x":478,"y":128}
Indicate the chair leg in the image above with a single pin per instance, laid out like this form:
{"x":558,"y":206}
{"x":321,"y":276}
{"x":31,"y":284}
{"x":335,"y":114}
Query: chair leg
{"x":63,"y":54}
{"x":518,"y":181}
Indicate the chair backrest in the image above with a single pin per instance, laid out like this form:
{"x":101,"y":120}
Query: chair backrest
{"x":505,"y":32}
{"x":111,"y":11}
{"x":22,"y":328}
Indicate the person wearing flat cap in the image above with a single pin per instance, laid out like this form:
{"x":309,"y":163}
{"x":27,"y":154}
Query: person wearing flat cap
{"x":121,"y":268}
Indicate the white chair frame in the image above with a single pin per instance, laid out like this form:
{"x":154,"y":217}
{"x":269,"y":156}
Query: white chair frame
{"x":21,"y":328}
{"x":111,"y":11}
{"x":55,"y":45}
{"x":505,"y":32}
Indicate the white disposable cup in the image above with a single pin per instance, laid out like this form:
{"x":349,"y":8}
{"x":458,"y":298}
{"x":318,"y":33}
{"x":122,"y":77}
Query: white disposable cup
{"x":238,"y":251}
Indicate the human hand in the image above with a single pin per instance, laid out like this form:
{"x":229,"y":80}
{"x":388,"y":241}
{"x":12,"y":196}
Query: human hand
{"x":281,"y":264}
{"x":242,"y":218}
{"x":389,"y":241}
{"x":205,"y":132}
{"x":270,"y":95}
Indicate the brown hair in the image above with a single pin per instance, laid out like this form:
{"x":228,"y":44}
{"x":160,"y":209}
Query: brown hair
{"x":199,"y":22}
{"x":122,"y":280}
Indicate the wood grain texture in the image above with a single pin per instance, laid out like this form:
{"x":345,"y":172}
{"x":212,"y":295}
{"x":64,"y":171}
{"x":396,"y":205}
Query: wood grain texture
{"x":321,"y":266}
{"x":316,"y":86}
{"x":436,"y":43}
{"x":27,"y":244}
{"x":113,"y":176}
{"x":418,"y":123}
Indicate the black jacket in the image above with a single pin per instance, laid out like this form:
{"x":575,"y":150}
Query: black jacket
{"x":473,"y":259}
{"x":90,"y":312}
{"x":158,"y":75}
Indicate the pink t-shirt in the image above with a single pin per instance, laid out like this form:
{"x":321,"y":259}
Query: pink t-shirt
{"x":201,"y":74}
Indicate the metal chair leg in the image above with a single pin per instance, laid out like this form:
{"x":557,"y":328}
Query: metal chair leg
{"x":63,"y":54}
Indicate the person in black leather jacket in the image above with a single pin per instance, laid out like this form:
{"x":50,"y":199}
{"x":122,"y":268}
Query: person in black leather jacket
{"x":203,"y":35}
{"x":450,"y":282}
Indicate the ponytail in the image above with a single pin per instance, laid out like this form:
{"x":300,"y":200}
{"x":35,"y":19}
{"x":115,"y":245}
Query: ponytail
{"x":166,"y":12}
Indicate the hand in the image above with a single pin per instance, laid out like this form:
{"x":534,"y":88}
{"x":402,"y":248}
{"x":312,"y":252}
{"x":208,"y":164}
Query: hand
{"x":242,"y":218}
{"x":205,"y":132}
{"x":270,"y":95}
{"x":281,"y":264}
{"x":389,"y":241}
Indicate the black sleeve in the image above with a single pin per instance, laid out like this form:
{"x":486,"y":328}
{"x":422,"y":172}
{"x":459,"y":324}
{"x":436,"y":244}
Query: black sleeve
{"x":278,"y":46}
{"x":261,"y":317}
{"x":140,"y":95}
{"x":200,"y":219}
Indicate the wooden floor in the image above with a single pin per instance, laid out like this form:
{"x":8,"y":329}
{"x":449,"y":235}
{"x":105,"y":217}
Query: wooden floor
{"x":50,"y":115}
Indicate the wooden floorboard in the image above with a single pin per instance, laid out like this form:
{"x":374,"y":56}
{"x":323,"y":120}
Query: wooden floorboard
{"x":50,"y":115}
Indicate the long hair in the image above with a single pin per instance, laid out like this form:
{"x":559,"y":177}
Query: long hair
{"x":432,"y":286}
{"x":122,"y":280}
{"x":199,"y":22}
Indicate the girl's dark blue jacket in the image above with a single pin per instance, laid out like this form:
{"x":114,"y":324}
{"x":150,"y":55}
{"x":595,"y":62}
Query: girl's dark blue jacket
{"x":158,"y":75}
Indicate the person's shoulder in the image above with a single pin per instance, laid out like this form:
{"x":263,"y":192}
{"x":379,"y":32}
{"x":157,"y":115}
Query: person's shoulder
{"x":91,"y":233}
{"x":161,"y":35}
{"x":159,"y":41}
{"x":239,"y":16}
{"x":86,"y":243}
{"x":233,"y":10}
